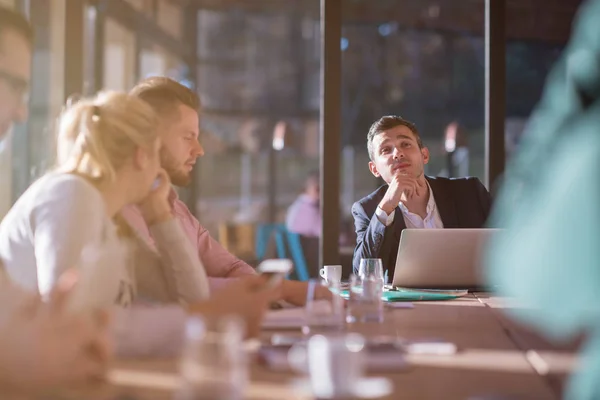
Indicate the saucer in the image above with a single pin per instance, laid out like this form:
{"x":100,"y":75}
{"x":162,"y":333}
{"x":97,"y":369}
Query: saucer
{"x":364,"y":388}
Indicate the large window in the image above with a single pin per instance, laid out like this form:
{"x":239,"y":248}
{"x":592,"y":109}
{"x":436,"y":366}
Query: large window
{"x":6,"y":155}
{"x":32,"y":147}
{"x":405,"y":61}
{"x":258,"y":80}
{"x":155,"y":60}
{"x":256,"y":67}
{"x":527,"y":65}
{"x":119,"y":56}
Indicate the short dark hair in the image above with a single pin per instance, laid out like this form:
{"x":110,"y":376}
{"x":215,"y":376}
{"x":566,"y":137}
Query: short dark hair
{"x":165,"y":94}
{"x":11,"y":19}
{"x":388,"y":122}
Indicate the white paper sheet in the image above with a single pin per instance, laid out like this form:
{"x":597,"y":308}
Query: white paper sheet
{"x":287,"y":318}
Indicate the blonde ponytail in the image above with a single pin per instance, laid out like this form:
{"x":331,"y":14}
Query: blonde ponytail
{"x":97,"y":136}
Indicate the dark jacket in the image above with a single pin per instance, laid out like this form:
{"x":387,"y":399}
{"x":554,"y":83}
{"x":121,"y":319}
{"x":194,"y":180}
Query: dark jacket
{"x":461,"y":203}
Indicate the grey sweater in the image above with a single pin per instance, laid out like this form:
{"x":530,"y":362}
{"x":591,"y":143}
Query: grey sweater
{"x":60,"y":218}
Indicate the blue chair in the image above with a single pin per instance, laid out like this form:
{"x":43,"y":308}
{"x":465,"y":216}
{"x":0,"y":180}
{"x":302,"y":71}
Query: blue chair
{"x":264,"y":232}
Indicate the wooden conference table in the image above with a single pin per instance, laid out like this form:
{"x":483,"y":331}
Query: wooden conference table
{"x":497,"y":359}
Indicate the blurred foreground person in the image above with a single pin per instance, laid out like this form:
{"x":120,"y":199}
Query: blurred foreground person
{"x":41,"y":344}
{"x":548,"y":257}
{"x":44,"y":344}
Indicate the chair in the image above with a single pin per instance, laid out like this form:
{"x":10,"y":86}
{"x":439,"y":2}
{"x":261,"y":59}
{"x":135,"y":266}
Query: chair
{"x":238,"y":239}
{"x":284,"y":241}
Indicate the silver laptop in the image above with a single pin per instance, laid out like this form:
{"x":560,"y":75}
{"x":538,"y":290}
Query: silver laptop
{"x":441,"y":258}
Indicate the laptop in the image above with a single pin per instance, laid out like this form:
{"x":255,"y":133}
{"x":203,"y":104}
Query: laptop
{"x":441,"y":258}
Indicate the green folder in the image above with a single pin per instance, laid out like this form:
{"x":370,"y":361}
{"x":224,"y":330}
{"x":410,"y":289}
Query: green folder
{"x":403,"y":294}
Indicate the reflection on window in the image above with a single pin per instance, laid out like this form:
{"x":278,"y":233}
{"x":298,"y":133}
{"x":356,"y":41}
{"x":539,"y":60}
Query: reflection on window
{"x":432,"y":78}
{"x":146,"y":7}
{"x":33,"y":145}
{"x":527,"y":65}
{"x":170,"y":18}
{"x":6,"y":158}
{"x":155,"y":61}
{"x":119,"y":57}
{"x":262,"y":75}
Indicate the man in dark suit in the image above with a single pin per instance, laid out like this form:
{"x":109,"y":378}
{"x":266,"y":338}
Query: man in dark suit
{"x":409,"y":199}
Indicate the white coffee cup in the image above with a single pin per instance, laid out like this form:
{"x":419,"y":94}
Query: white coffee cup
{"x":331,"y":273}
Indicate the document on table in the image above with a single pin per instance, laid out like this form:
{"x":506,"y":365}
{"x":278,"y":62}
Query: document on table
{"x":286,"y":318}
{"x":291,"y":318}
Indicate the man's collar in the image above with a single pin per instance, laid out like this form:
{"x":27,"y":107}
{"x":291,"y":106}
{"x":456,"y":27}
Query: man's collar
{"x":173,"y":196}
{"x":431,"y":201}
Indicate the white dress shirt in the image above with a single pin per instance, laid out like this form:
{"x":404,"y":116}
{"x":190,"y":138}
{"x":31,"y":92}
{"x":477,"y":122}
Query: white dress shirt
{"x":431,"y":221}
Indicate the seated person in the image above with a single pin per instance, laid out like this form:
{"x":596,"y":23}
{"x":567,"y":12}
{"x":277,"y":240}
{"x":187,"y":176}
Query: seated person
{"x":304,"y":218}
{"x":304,"y":215}
{"x":409,"y":199}
{"x":41,"y":344}
{"x":177,"y":108}
{"x":107,"y":158}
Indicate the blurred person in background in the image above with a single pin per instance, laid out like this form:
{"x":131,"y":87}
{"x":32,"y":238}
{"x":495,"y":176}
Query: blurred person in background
{"x":304,"y":218}
{"x":178,"y":110}
{"x":41,"y":344}
{"x":548,"y":256}
{"x":304,"y":215}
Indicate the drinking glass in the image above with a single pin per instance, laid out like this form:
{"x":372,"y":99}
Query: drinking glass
{"x":323,"y":315}
{"x":371,"y":267}
{"x":365,"y":303}
{"x":213,"y":364}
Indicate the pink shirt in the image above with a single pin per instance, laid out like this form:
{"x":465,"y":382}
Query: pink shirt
{"x":220,"y":264}
{"x":304,"y":217}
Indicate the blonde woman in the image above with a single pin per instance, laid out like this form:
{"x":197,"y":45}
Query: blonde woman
{"x":107,"y":158}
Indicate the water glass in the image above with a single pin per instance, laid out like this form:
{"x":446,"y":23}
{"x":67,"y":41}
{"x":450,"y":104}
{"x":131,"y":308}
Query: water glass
{"x":365,"y":303}
{"x":213,"y":363}
{"x":371,"y":267}
{"x":323,"y":315}
{"x":334,"y":364}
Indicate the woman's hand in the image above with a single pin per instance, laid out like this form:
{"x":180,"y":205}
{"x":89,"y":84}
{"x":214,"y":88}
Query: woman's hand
{"x":155,"y":207}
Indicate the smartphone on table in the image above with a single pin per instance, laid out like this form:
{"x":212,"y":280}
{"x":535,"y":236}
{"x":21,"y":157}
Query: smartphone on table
{"x":275,"y":269}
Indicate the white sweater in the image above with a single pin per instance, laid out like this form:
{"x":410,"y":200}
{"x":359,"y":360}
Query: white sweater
{"x":62,"y":215}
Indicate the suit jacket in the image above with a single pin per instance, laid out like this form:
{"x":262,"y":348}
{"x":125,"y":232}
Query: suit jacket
{"x":461,"y":202}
